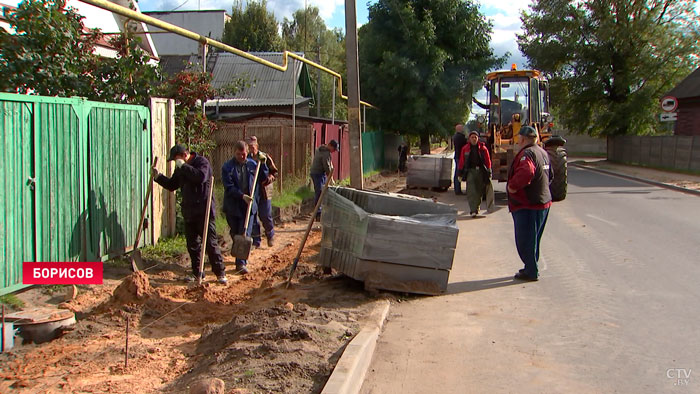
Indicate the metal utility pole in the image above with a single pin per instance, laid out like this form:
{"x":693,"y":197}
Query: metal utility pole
{"x":353,"y":78}
{"x":204,"y":70}
{"x":318,"y":84}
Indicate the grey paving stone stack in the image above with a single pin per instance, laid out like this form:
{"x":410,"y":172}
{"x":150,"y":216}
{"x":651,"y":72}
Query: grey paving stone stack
{"x":429,"y":171}
{"x":389,"y":241}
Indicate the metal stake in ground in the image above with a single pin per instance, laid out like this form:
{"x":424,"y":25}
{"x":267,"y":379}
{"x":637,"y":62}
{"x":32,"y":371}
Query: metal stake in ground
{"x":126,"y":347}
{"x":205,"y":233}
{"x":308,"y":230}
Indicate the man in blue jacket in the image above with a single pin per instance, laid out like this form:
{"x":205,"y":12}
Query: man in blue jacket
{"x":193,"y":174}
{"x":237,"y":176}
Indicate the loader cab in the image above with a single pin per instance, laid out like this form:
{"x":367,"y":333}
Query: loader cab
{"x":516,"y":98}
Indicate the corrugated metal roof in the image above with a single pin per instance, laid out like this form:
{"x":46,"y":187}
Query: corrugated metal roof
{"x":265,"y":82}
{"x":267,"y":85}
{"x":244,"y":102}
{"x":688,"y":88}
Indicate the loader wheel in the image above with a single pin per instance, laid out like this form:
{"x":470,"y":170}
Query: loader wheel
{"x":558,"y":161}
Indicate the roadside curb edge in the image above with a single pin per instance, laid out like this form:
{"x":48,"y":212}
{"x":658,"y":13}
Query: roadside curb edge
{"x":633,"y":178}
{"x":349,"y":373}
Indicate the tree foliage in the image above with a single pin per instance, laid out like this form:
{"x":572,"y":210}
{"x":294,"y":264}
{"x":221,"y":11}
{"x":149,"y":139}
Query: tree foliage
{"x":252,"y":28}
{"x":189,"y":89}
{"x":48,"y":55}
{"x":307,"y":32}
{"x":128,"y":78}
{"x":418,"y":62}
{"x":610,"y":61}
{"x":52,"y":54}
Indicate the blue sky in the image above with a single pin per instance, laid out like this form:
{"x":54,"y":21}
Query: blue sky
{"x":504,"y":15}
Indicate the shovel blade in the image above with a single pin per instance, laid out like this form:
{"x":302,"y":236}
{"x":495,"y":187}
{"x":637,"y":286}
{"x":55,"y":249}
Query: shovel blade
{"x":136,"y":260}
{"x":241,"y":247}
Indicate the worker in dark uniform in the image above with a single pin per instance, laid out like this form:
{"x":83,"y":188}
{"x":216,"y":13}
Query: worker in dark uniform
{"x":322,"y":169}
{"x":193,"y":175}
{"x":529,"y":200}
{"x":264,"y":197}
{"x":237,"y":175}
{"x":403,"y":156}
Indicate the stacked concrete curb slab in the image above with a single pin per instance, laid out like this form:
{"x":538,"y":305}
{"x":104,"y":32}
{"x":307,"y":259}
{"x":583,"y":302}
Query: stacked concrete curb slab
{"x":429,"y":171}
{"x":390,"y":241}
{"x":350,"y":371}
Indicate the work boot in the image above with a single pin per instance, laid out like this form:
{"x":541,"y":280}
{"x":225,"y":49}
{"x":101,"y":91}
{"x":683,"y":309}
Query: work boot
{"x":270,"y":242}
{"x":192,"y":278}
{"x":241,"y":269}
{"x":222,"y":279}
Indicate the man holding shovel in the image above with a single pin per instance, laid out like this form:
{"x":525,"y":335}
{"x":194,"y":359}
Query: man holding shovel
{"x":193,"y":174}
{"x":321,"y":169}
{"x":264,"y":200}
{"x":238,"y":177}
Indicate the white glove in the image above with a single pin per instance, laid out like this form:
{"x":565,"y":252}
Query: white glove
{"x":247,"y":198}
{"x":179,"y":163}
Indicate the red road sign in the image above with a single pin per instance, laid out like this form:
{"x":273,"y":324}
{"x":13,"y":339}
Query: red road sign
{"x":669,"y":104}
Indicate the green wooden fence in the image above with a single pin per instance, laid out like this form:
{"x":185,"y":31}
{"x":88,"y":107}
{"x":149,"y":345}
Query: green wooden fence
{"x":74,"y":178}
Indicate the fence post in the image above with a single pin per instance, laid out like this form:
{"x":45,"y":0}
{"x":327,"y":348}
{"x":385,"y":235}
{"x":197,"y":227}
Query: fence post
{"x":281,"y":165}
{"x":294,"y":150}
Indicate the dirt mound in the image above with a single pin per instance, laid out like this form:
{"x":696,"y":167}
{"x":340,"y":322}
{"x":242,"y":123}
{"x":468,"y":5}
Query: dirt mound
{"x":133,"y":289}
{"x":276,"y":349}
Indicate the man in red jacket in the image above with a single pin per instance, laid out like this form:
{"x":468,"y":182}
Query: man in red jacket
{"x":475,"y":168}
{"x":529,"y":200}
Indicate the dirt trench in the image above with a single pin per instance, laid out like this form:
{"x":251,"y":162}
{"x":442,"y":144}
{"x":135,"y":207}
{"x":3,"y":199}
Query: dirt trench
{"x":254,"y":333}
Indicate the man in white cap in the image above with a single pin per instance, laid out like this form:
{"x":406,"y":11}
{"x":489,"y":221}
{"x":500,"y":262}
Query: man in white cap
{"x":529,"y":200}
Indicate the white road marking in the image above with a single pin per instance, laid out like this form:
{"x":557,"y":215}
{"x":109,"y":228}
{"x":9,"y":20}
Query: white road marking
{"x":602,"y":220}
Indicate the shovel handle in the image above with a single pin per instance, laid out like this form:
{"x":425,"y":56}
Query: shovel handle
{"x":205,"y":232}
{"x":308,"y":229}
{"x":250,"y":204}
{"x":145,"y":205}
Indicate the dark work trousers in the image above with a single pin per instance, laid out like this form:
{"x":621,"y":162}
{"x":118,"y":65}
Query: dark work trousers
{"x":235,"y":223}
{"x":529,"y":226}
{"x":455,"y":178}
{"x":265,"y":215}
{"x":319,"y":181}
{"x":193,"y":235}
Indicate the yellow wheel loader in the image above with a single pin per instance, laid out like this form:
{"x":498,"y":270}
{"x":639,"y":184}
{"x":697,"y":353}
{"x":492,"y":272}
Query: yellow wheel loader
{"x":517,"y":98}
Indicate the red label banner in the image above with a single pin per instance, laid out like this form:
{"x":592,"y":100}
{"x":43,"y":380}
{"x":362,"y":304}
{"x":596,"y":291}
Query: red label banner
{"x":61,"y":273}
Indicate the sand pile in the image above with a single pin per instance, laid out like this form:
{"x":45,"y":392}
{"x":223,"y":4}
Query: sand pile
{"x":134,"y":289}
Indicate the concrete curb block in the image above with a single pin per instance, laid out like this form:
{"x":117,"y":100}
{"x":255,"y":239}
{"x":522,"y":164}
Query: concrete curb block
{"x":633,"y":178}
{"x":349,"y":373}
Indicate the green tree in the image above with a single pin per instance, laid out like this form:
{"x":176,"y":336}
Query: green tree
{"x":610,"y":61}
{"x":190,"y":89}
{"x":128,"y":78}
{"x":306,"y":32}
{"x":48,"y":54}
{"x":418,"y":62}
{"x":252,"y":28}
{"x":52,"y":54}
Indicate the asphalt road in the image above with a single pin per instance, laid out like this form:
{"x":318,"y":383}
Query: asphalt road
{"x":615,"y":310}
